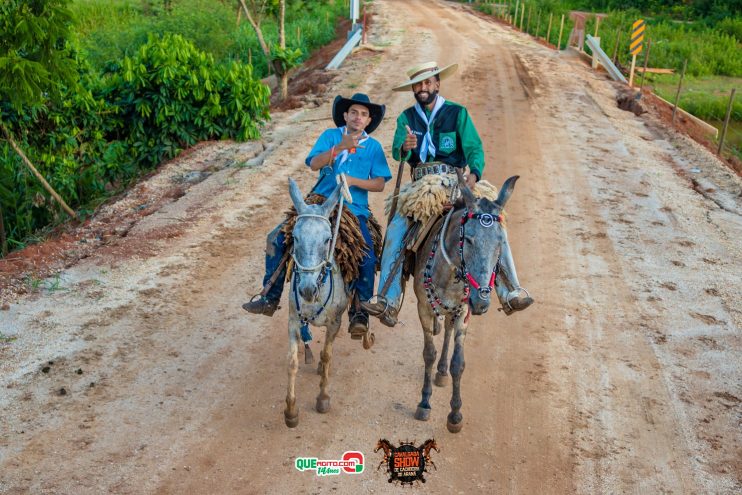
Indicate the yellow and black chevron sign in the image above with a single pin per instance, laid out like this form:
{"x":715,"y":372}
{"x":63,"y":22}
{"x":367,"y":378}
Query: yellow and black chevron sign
{"x":637,"y":37}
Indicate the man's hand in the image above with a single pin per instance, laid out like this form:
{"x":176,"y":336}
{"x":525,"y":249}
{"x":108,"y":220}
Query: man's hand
{"x":348,"y":142}
{"x":471,"y":180}
{"x":410,"y":141}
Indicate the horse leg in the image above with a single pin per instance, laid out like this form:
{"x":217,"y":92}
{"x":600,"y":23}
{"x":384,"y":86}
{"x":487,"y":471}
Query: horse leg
{"x":429,"y":353}
{"x":323,"y":399}
{"x":291,"y":413}
{"x":442,"y":377}
{"x":455,"y":418}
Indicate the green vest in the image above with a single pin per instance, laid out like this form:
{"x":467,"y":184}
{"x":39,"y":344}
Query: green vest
{"x":446,"y":139}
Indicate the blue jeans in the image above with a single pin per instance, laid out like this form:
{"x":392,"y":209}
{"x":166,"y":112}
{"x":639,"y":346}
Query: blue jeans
{"x":506,"y":285}
{"x":276,"y":247}
{"x":393,"y":245}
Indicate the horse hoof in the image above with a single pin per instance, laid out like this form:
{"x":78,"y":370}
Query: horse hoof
{"x":323,"y":405}
{"x":442,"y":380}
{"x":291,"y":422}
{"x":454,"y":427}
{"x":368,"y":340}
{"x":422,"y":414}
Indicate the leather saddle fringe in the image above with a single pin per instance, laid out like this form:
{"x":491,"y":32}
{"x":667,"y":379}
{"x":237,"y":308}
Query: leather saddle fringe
{"x":350,"y":247}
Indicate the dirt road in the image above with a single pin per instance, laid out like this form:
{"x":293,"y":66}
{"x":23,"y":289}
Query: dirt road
{"x":136,"y":371}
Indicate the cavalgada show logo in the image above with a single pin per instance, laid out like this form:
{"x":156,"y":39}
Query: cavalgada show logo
{"x":406,"y":464}
{"x":351,"y":463}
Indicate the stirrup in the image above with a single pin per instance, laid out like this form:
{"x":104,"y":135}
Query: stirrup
{"x":510,"y":309}
{"x":519,"y":289}
{"x":382,"y":300}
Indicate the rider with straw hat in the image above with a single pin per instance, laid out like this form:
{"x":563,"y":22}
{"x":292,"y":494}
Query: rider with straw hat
{"x":435,"y":136}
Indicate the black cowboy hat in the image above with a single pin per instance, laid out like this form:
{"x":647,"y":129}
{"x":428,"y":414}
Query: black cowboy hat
{"x":341,"y":105}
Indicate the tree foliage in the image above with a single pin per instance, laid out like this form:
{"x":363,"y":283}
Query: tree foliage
{"x":34,"y":53}
{"x":170,"y":95}
{"x":97,"y":135}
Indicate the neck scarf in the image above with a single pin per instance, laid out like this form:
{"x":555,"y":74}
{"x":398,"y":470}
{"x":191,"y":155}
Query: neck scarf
{"x":427,"y":147}
{"x":343,"y":156}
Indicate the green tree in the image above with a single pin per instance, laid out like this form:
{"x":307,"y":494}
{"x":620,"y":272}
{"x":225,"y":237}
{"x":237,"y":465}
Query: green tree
{"x":35,"y":61}
{"x":279,"y":57}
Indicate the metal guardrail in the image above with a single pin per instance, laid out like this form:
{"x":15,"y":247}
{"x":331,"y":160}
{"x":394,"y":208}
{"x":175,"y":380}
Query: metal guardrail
{"x":345,"y":50}
{"x":605,"y":61}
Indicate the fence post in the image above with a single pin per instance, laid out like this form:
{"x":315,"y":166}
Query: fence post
{"x":723,"y":129}
{"x":538,"y":23}
{"x":677,"y":95}
{"x":646,"y":60}
{"x":561,"y":27}
{"x":615,"y":50}
{"x":548,"y":31}
{"x":522,"y":14}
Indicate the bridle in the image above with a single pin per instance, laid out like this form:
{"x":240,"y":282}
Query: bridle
{"x":326,"y":261}
{"x":487,"y":220}
{"x":324,"y":268}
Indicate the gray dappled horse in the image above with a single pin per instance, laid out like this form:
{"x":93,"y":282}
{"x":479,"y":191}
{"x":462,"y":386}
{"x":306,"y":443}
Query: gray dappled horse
{"x":455,"y":279}
{"x":318,"y":292}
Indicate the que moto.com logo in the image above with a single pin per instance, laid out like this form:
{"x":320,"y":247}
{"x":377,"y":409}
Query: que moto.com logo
{"x":351,"y":463}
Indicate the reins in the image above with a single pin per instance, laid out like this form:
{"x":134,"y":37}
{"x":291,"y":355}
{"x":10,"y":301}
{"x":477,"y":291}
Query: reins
{"x":462,"y":273}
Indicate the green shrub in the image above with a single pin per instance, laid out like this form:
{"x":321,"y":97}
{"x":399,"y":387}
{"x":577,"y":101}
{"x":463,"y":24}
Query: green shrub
{"x":104,"y":132}
{"x":170,"y":95}
{"x":731,"y":26}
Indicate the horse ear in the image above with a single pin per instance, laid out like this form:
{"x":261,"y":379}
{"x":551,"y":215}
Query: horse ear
{"x":296,"y":196}
{"x":469,"y":198}
{"x":331,"y":201}
{"x":506,"y":191}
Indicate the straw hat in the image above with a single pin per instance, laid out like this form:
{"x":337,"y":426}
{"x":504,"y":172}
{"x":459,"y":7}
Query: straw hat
{"x":423,"y":71}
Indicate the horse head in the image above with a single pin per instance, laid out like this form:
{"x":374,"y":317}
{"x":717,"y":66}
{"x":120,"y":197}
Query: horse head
{"x":312,"y":242}
{"x":383,"y":444}
{"x":481,"y":235}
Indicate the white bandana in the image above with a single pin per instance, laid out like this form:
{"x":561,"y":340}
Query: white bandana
{"x":427,"y":146}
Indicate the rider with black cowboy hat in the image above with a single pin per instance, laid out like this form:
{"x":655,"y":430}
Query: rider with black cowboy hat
{"x":346,"y":149}
{"x":435,"y":136}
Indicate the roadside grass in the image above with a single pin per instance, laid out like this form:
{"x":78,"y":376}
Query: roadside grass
{"x":707,"y":98}
{"x":108,"y":30}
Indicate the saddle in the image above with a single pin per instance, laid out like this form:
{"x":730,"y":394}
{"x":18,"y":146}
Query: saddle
{"x":350,"y":247}
{"x":418,"y":234}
